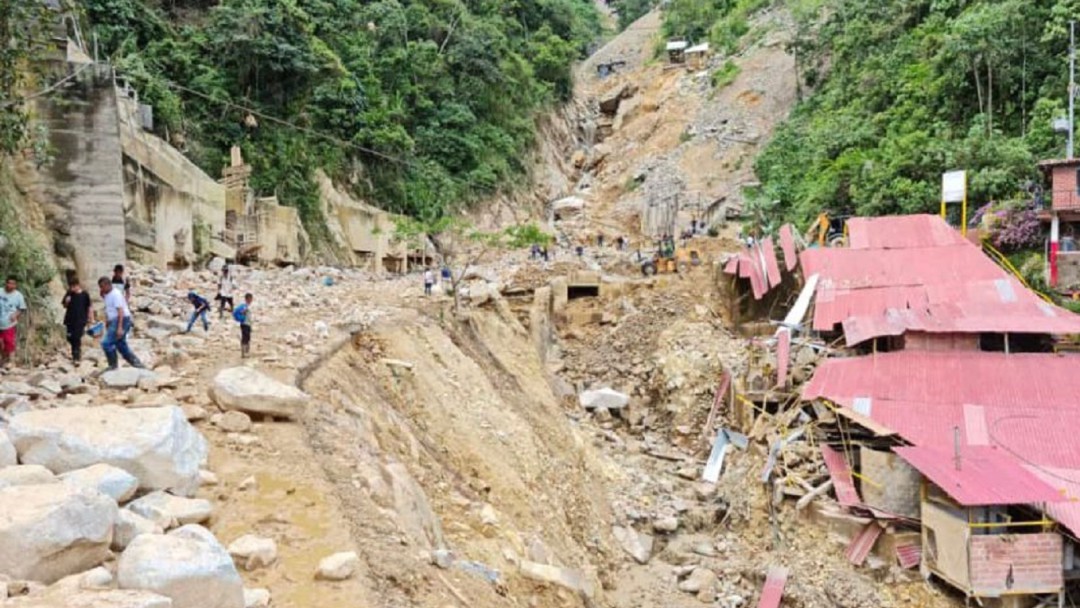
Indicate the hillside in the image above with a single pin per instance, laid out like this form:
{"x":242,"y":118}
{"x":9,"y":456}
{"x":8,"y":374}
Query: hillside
{"x":419,"y":105}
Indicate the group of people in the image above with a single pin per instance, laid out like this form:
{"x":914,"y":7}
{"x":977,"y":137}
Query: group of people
{"x":242,"y":314}
{"x":80,"y":318}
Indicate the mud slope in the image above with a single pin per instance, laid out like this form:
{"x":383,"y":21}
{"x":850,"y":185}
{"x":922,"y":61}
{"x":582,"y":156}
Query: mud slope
{"x":438,"y":439}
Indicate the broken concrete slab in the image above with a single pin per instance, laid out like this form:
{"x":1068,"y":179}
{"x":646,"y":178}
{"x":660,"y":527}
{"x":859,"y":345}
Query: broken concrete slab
{"x":604,"y":398}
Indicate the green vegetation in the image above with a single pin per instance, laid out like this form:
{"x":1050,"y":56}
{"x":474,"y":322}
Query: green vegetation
{"x":725,"y":74}
{"x":720,"y":22}
{"x":907,"y":89}
{"x":421,"y":105}
{"x":630,"y":10}
{"x":20,"y":29}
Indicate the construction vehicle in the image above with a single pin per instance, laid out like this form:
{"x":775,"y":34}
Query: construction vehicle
{"x":670,"y":259}
{"x":831,"y":231}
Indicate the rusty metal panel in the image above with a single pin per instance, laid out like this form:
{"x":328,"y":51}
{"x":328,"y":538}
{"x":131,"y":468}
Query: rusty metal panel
{"x":980,"y":476}
{"x":772,"y":265}
{"x":909,"y":556}
{"x":787,"y":245}
{"x":783,"y":355}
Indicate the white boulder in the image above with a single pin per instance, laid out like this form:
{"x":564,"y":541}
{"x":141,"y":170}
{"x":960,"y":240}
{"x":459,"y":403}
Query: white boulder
{"x":247,"y":390}
{"x":8,"y":455}
{"x":187,"y":565}
{"x":605,"y":398}
{"x":163,"y":509}
{"x":256,"y":598}
{"x":25,"y":475}
{"x":112,"y":598}
{"x":251,"y":552}
{"x":129,"y":525}
{"x":111,"y":481}
{"x":157,"y":444}
{"x":232,"y":421}
{"x":126,"y":377}
{"x":52,"y":530}
{"x":338,"y":566}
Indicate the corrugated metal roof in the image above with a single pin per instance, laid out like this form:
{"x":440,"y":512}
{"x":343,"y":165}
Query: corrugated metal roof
{"x":1019,"y":380}
{"x":909,"y":556}
{"x":787,"y":245}
{"x":985,"y":476}
{"x":900,"y":232}
{"x":915,"y":273}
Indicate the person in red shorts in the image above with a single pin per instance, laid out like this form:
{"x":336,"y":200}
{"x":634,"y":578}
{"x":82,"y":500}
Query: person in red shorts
{"x":12,"y":304}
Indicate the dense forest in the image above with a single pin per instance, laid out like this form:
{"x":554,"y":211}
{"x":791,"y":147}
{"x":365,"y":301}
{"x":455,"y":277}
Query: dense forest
{"x":418,"y":105}
{"x":896,"y":92}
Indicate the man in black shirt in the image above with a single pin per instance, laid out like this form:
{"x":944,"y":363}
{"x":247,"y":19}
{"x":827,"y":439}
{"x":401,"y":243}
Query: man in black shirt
{"x":121,"y":282}
{"x":78,"y":315}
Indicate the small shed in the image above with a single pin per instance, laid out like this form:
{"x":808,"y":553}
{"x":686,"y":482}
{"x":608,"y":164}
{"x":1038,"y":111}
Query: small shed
{"x":676,"y":50}
{"x":697,"y":56}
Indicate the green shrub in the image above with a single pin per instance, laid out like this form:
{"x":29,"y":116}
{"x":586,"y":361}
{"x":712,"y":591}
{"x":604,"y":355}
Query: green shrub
{"x":725,"y":74}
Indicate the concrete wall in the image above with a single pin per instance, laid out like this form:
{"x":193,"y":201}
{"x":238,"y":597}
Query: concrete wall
{"x":945,"y":547}
{"x":281,"y":236}
{"x":895,"y":484}
{"x":167,"y":196}
{"x":366,"y":232}
{"x":1035,"y":561}
{"x":85,"y":178}
{"x":1069,"y":270}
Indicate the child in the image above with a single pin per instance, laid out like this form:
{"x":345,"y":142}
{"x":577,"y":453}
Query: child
{"x":226,"y":285}
{"x":242,"y":313}
{"x":201,"y":308}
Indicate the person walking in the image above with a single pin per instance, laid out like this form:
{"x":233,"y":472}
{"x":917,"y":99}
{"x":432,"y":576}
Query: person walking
{"x":244,"y":315}
{"x":118,"y":323}
{"x":122,"y":282}
{"x":200,"y":308}
{"x":78,"y":312}
{"x":226,"y":286}
{"x":429,"y":281}
{"x":12,"y":305}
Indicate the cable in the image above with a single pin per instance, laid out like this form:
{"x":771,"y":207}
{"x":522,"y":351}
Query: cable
{"x":1019,"y":456}
{"x":286,"y":123}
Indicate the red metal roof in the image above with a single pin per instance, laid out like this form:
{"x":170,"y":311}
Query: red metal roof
{"x":986,"y":378}
{"x":909,"y":556}
{"x":915,"y":273}
{"x":787,"y":244}
{"x":985,"y":476}
{"x":900,"y":232}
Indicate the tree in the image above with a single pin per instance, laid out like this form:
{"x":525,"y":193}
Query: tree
{"x":459,"y":245}
{"x":22,"y":28}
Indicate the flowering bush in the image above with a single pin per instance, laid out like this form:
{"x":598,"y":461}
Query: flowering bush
{"x":1009,"y":228}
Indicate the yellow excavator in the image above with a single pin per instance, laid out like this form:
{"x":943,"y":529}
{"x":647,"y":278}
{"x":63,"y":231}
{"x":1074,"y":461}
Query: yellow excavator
{"x":831,"y":231}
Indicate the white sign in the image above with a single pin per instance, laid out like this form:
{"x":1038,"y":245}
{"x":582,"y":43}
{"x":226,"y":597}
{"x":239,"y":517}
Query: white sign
{"x":953,"y":186}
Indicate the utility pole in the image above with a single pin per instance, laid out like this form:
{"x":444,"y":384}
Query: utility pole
{"x":1072,"y":87}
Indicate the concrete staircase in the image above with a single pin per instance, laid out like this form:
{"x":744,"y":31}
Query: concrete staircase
{"x":86,"y":177}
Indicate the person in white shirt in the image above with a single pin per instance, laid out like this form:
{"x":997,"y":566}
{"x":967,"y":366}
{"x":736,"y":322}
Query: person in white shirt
{"x":429,"y":281}
{"x":117,"y":325}
{"x":226,"y":286}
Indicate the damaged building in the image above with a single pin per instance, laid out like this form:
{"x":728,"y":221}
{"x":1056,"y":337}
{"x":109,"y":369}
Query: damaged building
{"x":936,"y":399}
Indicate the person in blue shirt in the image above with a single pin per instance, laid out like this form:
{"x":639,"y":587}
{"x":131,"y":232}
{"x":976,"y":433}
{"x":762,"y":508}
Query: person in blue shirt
{"x":201,"y":307}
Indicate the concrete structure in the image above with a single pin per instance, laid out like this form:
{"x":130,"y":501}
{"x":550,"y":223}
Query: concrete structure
{"x":367,"y":232}
{"x":1063,"y":272}
{"x":82,"y":188}
{"x":175,"y":211}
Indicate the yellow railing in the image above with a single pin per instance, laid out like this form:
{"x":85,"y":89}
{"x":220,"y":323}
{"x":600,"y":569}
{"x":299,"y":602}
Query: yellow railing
{"x":1004,"y":262}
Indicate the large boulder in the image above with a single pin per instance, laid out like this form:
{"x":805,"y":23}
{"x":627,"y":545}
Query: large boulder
{"x":25,"y":475}
{"x":52,"y":530}
{"x":605,"y":398}
{"x":111,"y":598}
{"x":130,"y":525}
{"x":247,"y":390}
{"x":114,"y":482}
{"x":167,"y":510}
{"x":157,"y":444}
{"x":187,"y":565}
{"x":568,"y":207}
{"x":126,"y":377}
{"x":8,"y":455}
